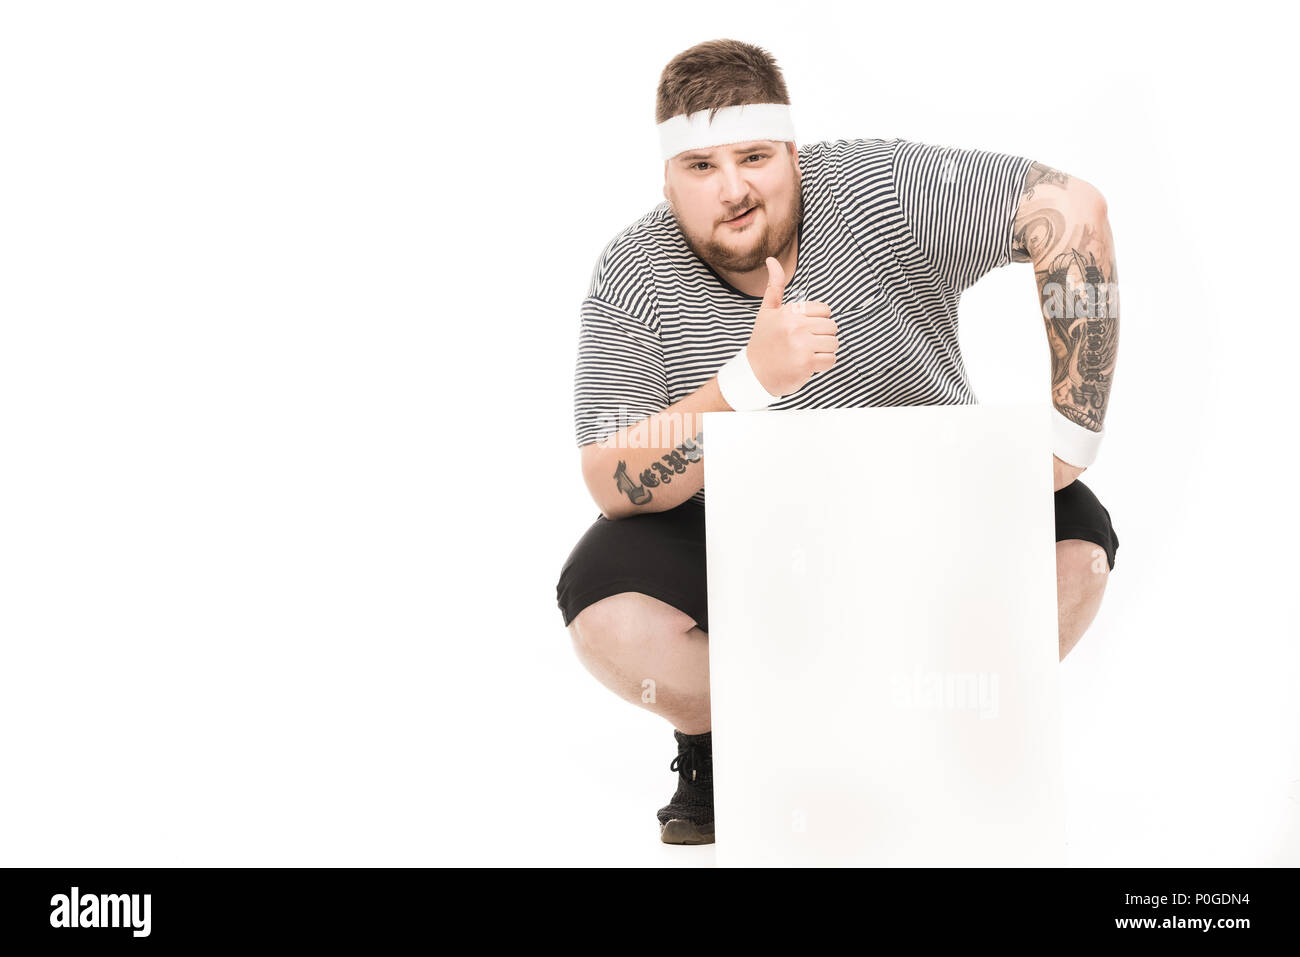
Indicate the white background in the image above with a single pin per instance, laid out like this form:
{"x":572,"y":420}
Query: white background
{"x":289,"y":297}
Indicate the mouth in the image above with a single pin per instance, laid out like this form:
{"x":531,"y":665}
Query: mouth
{"x":744,"y":219}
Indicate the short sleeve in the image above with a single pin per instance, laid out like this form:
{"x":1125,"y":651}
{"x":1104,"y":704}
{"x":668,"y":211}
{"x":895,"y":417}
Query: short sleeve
{"x":620,"y":377}
{"x":960,"y":206}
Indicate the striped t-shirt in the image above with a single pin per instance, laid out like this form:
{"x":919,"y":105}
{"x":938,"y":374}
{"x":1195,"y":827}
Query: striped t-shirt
{"x":893,"y":231}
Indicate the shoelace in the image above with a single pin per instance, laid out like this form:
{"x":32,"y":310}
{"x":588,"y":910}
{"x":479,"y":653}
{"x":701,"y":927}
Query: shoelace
{"x":688,"y":759}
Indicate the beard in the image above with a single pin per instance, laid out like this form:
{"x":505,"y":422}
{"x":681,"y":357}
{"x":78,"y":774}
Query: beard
{"x":775,"y":237}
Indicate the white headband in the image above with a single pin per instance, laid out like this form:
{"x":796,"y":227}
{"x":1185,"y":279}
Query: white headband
{"x":731,"y":124}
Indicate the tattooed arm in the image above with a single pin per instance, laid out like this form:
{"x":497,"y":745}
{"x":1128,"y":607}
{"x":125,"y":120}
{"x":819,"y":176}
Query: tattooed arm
{"x":655,"y":464}
{"x":1061,"y":227}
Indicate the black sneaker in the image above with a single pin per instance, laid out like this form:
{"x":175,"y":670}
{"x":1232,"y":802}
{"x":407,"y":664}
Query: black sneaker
{"x":688,"y":817}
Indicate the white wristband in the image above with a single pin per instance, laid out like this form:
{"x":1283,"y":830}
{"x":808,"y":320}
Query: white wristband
{"x":1072,"y":443}
{"x":740,"y":387}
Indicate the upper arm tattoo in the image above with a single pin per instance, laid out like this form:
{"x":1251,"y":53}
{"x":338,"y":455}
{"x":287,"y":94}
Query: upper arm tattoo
{"x":1038,"y":173}
{"x":1037,"y":225}
{"x":1074,"y":262}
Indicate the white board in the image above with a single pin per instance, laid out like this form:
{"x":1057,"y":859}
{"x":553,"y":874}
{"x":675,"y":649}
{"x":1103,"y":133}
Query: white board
{"x":883,"y":637}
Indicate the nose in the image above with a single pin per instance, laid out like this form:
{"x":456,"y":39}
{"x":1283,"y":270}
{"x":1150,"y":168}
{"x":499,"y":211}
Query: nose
{"x":734,"y":187}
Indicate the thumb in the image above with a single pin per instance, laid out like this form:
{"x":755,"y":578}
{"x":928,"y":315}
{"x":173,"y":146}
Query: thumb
{"x":775,"y":284}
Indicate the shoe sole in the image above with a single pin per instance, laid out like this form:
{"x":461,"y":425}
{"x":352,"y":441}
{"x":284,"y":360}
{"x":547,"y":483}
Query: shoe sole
{"x":678,"y":831}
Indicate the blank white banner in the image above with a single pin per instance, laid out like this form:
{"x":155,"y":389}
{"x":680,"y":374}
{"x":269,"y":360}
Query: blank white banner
{"x":883,"y":637}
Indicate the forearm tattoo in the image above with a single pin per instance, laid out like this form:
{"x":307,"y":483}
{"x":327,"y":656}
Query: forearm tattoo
{"x":1078,"y":283}
{"x":674,"y":463}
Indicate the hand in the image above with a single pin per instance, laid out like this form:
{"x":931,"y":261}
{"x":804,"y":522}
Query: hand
{"x":789,"y":342}
{"x":1064,"y":473}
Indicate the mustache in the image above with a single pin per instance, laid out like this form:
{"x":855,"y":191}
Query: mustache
{"x":740,"y":210}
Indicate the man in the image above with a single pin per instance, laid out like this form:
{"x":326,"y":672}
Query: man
{"x":786,"y":278}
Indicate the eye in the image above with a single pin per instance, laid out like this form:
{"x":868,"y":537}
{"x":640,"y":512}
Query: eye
{"x":700,"y":163}
{"x":752,"y":155}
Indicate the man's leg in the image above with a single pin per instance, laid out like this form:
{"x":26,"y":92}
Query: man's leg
{"x":648,"y":653}
{"x":1081,"y":576}
{"x":1086,"y":545}
{"x":634,"y":598}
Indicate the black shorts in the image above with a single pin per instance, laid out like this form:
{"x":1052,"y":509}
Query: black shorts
{"x":661,"y":554}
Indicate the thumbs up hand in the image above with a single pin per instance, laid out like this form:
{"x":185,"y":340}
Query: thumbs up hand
{"x":789,"y":342}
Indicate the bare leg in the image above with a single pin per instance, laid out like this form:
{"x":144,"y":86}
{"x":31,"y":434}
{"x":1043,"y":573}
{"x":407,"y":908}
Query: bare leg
{"x":1081,"y":576}
{"x":649,"y":653}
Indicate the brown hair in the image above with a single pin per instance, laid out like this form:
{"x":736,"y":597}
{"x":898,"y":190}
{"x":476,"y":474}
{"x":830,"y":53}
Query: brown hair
{"x":716,"y":74}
